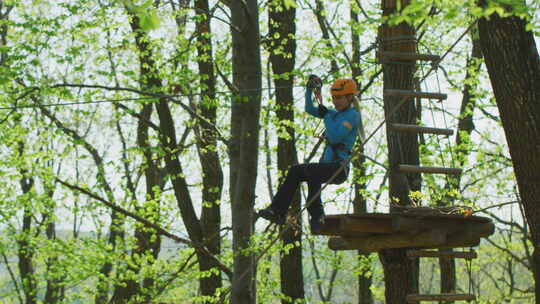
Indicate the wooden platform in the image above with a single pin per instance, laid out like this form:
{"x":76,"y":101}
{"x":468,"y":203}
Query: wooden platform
{"x":372,"y":232}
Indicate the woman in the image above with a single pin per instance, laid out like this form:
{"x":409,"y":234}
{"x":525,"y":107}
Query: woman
{"x":342,"y":124}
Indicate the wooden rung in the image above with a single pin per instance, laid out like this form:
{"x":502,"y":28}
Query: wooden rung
{"x":408,"y":93}
{"x":432,"y":170}
{"x":415,"y":298}
{"x":420,"y":129}
{"x":469,"y":255}
{"x":397,"y":56}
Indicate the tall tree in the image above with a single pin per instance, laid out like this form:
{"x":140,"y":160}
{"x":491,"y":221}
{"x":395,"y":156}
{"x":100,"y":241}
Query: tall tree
{"x":282,"y":49}
{"x":207,"y":146}
{"x":26,"y":251}
{"x":320,"y":14}
{"x":513,"y":64}
{"x":151,"y":81}
{"x":400,"y":272}
{"x":25,"y":248}
{"x":365,"y":295}
{"x":244,"y":143}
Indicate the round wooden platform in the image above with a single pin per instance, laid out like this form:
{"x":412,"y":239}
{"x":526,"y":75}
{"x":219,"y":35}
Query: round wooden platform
{"x":372,"y":232}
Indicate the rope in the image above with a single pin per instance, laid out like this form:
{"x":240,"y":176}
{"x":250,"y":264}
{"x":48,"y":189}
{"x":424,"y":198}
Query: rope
{"x":438,"y":141}
{"x":445,"y":122}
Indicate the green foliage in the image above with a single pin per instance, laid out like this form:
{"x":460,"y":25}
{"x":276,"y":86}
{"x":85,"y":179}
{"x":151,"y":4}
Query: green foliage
{"x":82,"y":42}
{"x":145,"y":11}
{"x":286,"y":4}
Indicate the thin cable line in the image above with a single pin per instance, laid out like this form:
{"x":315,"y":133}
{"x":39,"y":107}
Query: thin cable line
{"x":446,"y":123}
{"x":61,"y":104}
{"x":432,"y":112}
{"x":155,"y":96}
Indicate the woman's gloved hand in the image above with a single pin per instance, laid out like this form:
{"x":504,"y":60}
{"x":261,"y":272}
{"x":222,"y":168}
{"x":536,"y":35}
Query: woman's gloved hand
{"x":314,"y":82}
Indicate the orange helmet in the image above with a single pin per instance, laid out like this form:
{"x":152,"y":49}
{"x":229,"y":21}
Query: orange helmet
{"x":343,"y":87}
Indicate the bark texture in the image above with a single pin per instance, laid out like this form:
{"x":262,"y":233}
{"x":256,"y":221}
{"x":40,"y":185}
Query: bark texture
{"x":55,"y":290}
{"x":207,"y":149}
{"x":146,"y":240}
{"x":365,"y":295}
{"x":320,"y":14}
{"x":167,"y":134}
{"x":25,"y":250}
{"x":282,"y":48}
{"x":400,"y":273}
{"x":244,"y":144}
{"x":513,"y":64}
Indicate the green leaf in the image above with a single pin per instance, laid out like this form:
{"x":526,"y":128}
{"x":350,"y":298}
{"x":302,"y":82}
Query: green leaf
{"x":289,"y":4}
{"x":149,"y":20}
{"x":452,"y":13}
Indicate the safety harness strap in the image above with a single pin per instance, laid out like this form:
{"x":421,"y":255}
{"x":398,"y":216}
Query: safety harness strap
{"x":336,"y":147}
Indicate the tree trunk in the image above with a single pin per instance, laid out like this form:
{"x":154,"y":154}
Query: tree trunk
{"x":174,"y":168}
{"x":365,"y":295}
{"x":207,"y":150}
{"x":320,"y":14}
{"x":400,"y":272}
{"x":130,"y":287}
{"x":55,"y":291}
{"x":25,"y":248}
{"x":246,"y":61}
{"x":148,"y":243}
{"x":400,"y":275}
{"x":282,"y":48}
{"x":513,"y":64}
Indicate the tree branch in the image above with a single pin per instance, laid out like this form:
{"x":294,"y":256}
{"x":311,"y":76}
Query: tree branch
{"x":150,"y":94}
{"x":159,"y":230}
{"x":12,"y":275}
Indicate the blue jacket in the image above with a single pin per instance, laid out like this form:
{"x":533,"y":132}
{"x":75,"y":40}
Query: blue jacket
{"x":341,"y":127}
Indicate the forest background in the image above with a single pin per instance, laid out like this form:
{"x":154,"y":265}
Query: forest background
{"x":138,"y":137}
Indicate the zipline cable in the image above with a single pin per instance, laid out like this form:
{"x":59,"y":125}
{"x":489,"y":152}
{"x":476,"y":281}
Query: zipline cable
{"x":152,"y":96}
{"x":63,"y":104}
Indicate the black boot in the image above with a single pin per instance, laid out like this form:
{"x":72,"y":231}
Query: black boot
{"x":273,"y":216}
{"x":316,"y":222}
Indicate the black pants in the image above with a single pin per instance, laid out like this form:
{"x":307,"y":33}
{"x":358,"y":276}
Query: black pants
{"x":315,"y":175}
